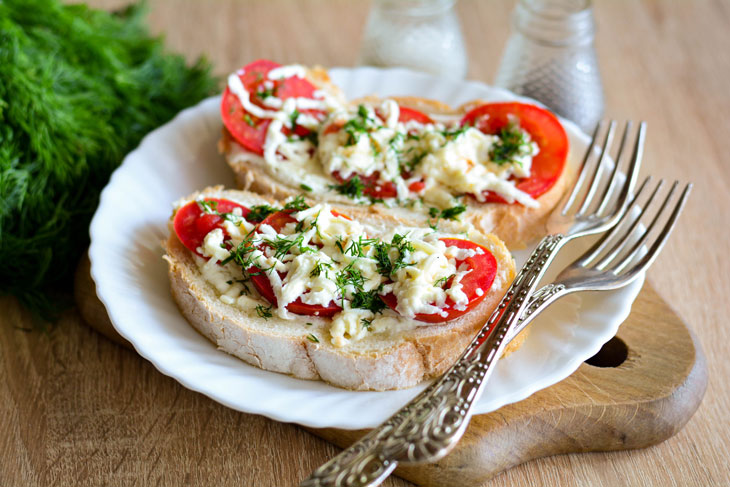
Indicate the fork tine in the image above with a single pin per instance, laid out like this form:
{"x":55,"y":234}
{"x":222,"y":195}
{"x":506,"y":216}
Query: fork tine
{"x":624,"y":240}
{"x":582,"y":171}
{"x":603,"y":242}
{"x":632,"y":174}
{"x":626,"y":260}
{"x":588,"y":198}
{"x":659,"y":241}
{"x":606,"y":197}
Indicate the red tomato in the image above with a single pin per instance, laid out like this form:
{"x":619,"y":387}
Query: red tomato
{"x":416,"y":186}
{"x":544,"y":128}
{"x":373,"y":187}
{"x":483,"y":270}
{"x":247,"y":129}
{"x":262,"y":284}
{"x":192,"y":224}
{"x":408,"y":114}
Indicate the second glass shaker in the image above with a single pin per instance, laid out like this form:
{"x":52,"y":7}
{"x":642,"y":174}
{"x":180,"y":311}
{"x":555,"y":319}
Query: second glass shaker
{"x":550,"y":57}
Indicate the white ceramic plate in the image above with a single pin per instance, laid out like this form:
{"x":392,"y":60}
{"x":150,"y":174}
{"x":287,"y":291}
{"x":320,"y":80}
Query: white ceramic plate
{"x":131,"y":277}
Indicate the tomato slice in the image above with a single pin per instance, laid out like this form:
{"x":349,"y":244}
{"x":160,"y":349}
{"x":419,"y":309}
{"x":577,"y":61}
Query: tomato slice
{"x":247,"y":129}
{"x":483,"y":271}
{"x":372,"y":186}
{"x":544,"y":128}
{"x":262,"y":284}
{"x":192,"y":224}
{"x":408,"y":114}
{"x":416,"y":186}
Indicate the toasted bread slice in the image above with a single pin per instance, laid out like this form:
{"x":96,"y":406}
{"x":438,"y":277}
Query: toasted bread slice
{"x":513,"y":223}
{"x":395,"y":359}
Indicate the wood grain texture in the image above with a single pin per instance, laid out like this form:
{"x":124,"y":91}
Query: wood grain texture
{"x":77,"y":409}
{"x":640,"y":402}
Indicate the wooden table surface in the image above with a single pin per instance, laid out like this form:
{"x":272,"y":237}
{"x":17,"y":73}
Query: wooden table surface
{"x":77,"y":409}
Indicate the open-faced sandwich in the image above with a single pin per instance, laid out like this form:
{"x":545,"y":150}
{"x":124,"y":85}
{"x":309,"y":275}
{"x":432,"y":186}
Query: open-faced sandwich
{"x":341,"y":294}
{"x":499,"y":166}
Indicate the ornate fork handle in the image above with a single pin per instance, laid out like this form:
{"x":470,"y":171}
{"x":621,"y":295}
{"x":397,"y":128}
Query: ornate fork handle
{"x":428,"y":426}
{"x":438,"y":419}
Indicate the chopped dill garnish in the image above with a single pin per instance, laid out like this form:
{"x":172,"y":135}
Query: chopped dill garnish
{"x":249,"y":121}
{"x":210,"y":207}
{"x":369,"y":300}
{"x":259,"y":212}
{"x":351,"y":188}
{"x":356,"y":246}
{"x":446,"y":214}
{"x":297,"y":204}
{"x":284,"y":245}
{"x":242,"y":254}
{"x":383,"y":250}
{"x":305,"y":187}
{"x":319,"y":268}
{"x":293,"y":118}
{"x":263,"y":311}
{"x":455,"y":133}
{"x":349,"y":276}
{"x":357,"y":126}
{"x":312,"y":338}
{"x":453,"y":212}
{"x":442,"y":282}
{"x":267,"y":93}
{"x":511,"y":144}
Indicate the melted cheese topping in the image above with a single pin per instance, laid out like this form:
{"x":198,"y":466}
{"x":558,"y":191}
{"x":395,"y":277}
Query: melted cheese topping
{"x":323,"y":258}
{"x":446,"y":160}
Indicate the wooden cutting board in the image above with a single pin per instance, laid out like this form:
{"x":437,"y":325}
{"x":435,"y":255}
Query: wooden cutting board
{"x":639,"y":390}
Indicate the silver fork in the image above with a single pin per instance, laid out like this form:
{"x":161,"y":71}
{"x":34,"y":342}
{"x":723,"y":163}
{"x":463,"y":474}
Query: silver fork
{"x":433,"y":427}
{"x":367,"y":462}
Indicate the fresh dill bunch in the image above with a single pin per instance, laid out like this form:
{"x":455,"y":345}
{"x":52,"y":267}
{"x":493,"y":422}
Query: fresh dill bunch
{"x":79,"y":88}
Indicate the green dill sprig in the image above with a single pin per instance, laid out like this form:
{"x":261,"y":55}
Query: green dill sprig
{"x":454,"y":134}
{"x":284,"y":245}
{"x":361,"y":124}
{"x":211,"y":207}
{"x":319,"y":268}
{"x":297,"y":204}
{"x":352,"y":188}
{"x":400,"y":246}
{"x":445,"y":214}
{"x":442,"y":282}
{"x":260,"y":212}
{"x":263,"y":311}
{"x":356,"y":247}
{"x":369,"y":300}
{"x":511,"y":144}
{"x":243,"y":253}
{"x":79,"y":88}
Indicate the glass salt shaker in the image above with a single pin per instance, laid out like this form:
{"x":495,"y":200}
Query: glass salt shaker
{"x":419,"y":34}
{"x":550,"y":57}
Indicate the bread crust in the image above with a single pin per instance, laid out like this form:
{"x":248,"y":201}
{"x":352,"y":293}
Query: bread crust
{"x":395,"y":362}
